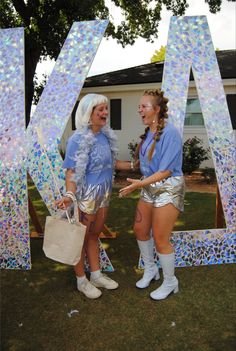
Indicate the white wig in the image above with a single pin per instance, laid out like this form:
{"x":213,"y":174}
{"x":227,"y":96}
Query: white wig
{"x":85,"y":109}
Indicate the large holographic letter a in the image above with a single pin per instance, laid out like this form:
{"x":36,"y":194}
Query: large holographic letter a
{"x":190,"y":46}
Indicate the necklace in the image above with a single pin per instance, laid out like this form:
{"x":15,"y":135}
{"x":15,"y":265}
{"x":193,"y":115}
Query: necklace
{"x":144,"y":152}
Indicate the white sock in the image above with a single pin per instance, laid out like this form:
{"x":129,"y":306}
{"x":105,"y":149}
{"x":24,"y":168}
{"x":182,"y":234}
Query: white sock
{"x":80,"y":280}
{"x":95,"y":274}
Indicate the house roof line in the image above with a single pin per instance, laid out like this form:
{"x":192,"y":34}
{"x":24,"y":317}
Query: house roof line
{"x":152,"y":72}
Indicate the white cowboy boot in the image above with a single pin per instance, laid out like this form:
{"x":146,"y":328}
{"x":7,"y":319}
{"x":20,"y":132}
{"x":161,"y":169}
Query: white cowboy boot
{"x":170,"y":283}
{"x":151,"y":270}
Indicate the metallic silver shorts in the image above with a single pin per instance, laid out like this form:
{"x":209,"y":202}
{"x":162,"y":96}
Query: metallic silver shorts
{"x":92,"y":197}
{"x":170,"y":190}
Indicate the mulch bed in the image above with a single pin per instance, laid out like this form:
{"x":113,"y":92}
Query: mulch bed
{"x":200,"y":184}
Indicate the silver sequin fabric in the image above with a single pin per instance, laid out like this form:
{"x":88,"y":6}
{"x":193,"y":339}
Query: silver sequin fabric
{"x":94,"y":196}
{"x":167,"y":191}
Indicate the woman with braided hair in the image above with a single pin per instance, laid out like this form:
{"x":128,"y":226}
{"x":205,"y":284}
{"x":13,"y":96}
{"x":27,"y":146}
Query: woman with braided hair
{"x":162,"y":192}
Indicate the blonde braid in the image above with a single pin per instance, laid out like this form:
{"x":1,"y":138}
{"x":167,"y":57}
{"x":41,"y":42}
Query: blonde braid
{"x":157,"y":135}
{"x":142,"y":137}
{"x":161,"y":101}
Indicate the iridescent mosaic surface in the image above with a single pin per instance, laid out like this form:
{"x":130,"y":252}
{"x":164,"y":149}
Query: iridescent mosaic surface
{"x":190,"y":46}
{"x":50,"y":118}
{"x":14,"y":228}
{"x":57,"y":102}
{"x":201,"y":247}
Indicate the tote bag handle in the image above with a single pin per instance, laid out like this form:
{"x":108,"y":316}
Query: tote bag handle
{"x":75,"y":217}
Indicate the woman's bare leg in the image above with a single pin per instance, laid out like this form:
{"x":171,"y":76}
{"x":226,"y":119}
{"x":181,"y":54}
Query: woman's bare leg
{"x":92,"y":245}
{"x":163,"y":221}
{"x":94,"y":224}
{"x":143,"y":220}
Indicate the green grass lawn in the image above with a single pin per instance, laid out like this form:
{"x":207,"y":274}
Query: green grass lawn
{"x":199,"y":211}
{"x":35,"y":304}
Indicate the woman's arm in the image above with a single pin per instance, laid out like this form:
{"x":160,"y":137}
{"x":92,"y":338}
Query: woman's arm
{"x":65,"y":201}
{"x":70,"y":186}
{"x":156,"y":177}
{"x":140,"y":183}
{"x":126,"y":165}
{"x":123,"y":165}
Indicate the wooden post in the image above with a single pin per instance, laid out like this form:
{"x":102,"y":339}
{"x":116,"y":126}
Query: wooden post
{"x":219,"y":220}
{"x":34,"y":217}
{"x":106,"y":233}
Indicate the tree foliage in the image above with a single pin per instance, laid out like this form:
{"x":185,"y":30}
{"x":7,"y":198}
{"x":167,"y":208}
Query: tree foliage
{"x":193,"y":154}
{"x":215,"y":5}
{"x":47,"y":23}
{"x":159,"y":55}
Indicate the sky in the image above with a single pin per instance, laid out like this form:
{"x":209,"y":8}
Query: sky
{"x":112,"y":57}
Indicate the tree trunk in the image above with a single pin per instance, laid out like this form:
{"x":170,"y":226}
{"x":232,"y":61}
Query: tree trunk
{"x":31,"y":60}
{"x":220,"y":219}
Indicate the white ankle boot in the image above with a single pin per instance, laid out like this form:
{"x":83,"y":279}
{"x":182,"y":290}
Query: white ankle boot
{"x":151,"y":270}
{"x":170,"y":283}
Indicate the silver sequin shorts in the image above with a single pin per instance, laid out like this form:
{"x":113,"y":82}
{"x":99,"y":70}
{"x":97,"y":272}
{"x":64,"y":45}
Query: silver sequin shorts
{"x":92,"y":197}
{"x":170,"y":190}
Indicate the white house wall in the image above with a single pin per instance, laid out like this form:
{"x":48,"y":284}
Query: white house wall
{"x":131,"y":124}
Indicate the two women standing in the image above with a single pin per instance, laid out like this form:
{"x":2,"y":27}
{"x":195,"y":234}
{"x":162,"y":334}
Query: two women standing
{"x":90,"y":161}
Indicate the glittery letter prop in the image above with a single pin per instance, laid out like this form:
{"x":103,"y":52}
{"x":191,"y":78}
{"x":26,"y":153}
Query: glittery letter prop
{"x":51,"y":116}
{"x":14,"y":227}
{"x":190,"y":46}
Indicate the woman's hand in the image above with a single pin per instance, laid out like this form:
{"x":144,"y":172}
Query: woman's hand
{"x":63,"y":203}
{"x":136,"y":165}
{"x":130,"y":188}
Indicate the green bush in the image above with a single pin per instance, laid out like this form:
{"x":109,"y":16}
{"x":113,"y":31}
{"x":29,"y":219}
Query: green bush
{"x":193,"y":154}
{"x":209,"y":174}
{"x":132,"y":148}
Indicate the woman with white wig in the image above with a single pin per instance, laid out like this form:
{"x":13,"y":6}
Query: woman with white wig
{"x":90,"y":161}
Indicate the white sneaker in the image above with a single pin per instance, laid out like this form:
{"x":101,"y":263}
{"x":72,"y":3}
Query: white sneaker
{"x":103,"y":281}
{"x":89,"y":290}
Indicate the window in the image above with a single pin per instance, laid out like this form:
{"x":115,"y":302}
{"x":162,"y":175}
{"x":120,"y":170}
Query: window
{"x":193,"y":113}
{"x":73,"y":116}
{"x":231,"y":101}
{"x":115,"y":114}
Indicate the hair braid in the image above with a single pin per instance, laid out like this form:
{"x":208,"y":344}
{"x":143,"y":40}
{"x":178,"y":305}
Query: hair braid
{"x":142,"y":137}
{"x":161,"y":101}
{"x":157,"y":135}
